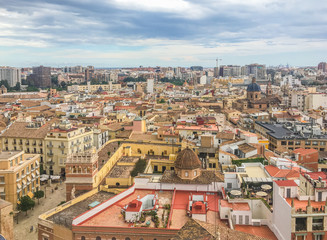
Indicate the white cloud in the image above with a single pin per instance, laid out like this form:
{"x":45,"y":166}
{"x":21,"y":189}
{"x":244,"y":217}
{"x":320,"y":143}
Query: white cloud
{"x":181,"y":8}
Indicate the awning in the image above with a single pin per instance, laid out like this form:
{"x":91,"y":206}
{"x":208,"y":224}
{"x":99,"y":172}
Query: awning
{"x":2,"y":189}
{"x":33,"y":175}
{"x":19,"y":186}
{"x":28,"y":178}
{"x":55,"y":177}
{"x":42,"y":179}
{"x":37,"y":172}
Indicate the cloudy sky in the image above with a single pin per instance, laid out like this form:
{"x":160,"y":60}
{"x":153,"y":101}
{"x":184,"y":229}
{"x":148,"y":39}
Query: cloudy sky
{"x":123,"y":33}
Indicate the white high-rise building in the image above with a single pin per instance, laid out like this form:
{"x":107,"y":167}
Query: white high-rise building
{"x":12,"y":75}
{"x":149,"y":85}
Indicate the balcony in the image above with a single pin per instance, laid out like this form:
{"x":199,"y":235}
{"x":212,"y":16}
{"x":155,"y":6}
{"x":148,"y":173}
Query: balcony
{"x":40,"y":144}
{"x":50,"y":154}
{"x":34,"y":144}
{"x":50,"y":163}
{"x":27,"y":143}
{"x":61,"y":146}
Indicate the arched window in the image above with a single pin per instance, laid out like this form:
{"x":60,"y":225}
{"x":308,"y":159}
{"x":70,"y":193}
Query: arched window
{"x":98,"y":238}
{"x":127,"y":238}
{"x":82,"y":238}
{"x":113,"y":238}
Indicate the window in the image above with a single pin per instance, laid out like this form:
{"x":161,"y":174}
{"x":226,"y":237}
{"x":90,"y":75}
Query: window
{"x":322,"y":143}
{"x":318,"y":236}
{"x":297,"y":143}
{"x":113,"y":238}
{"x":186,"y":174}
{"x":98,"y":238}
{"x":307,"y":143}
{"x":283,"y":142}
{"x":127,"y":238}
{"x":194,"y":173}
{"x":82,"y":238}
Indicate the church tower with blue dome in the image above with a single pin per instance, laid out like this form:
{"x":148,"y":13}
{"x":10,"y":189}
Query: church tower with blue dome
{"x":253,"y":91}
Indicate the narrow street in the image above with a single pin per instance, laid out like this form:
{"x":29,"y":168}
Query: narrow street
{"x":22,"y":229}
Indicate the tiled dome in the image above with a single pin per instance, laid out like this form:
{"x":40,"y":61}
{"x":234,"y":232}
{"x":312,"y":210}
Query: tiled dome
{"x":187,"y":159}
{"x":253,"y":87}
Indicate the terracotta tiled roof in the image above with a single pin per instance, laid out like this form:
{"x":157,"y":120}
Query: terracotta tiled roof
{"x":206,"y":177}
{"x":305,"y":151}
{"x":282,"y":173}
{"x":20,"y":130}
{"x":197,"y":230}
{"x":187,"y":159}
{"x":286,"y":183}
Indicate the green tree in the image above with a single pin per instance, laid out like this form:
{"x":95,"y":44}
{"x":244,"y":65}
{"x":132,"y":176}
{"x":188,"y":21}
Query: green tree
{"x":39,"y":194}
{"x":32,"y":89}
{"x":54,"y":80}
{"x":139,"y":167}
{"x":63,"y":84}
{"x":17,"y":87}
{"x":26,"y":203}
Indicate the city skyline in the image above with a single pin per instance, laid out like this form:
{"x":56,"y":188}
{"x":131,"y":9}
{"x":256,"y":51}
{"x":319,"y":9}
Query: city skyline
{"x":123,"y":33}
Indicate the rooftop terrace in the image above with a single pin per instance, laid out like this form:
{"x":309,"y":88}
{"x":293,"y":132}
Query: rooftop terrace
{"x":66,"y":216}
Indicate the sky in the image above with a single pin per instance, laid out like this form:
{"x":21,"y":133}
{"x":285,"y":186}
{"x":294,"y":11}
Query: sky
{"x":130,"y":33}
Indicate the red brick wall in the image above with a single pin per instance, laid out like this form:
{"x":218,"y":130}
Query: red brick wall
{"x":309,"y":160}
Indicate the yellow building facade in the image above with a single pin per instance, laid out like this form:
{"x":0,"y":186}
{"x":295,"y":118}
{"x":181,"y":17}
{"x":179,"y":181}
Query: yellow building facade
{"x":63,"y":140}
{"x":19,"y":175}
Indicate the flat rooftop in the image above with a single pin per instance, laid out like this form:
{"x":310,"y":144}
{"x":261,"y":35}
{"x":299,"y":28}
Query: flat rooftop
{"x":303,"y":204}
{"x":125,"y":159}
{"x":66,"y":216}
{"x":262,"y":231}
{"x":120,"y":171}
{"x":255,"y":172}
{"x":112,"y":217}
{"x":5,"y":155}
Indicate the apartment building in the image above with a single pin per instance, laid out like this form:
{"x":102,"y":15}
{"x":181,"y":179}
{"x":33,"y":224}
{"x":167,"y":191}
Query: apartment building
{"x":10,"y":74}
{"x":19,"y":175}
{"x":62,"y":140}
{"x":27,"y":136}
{"x":290,"y":136}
